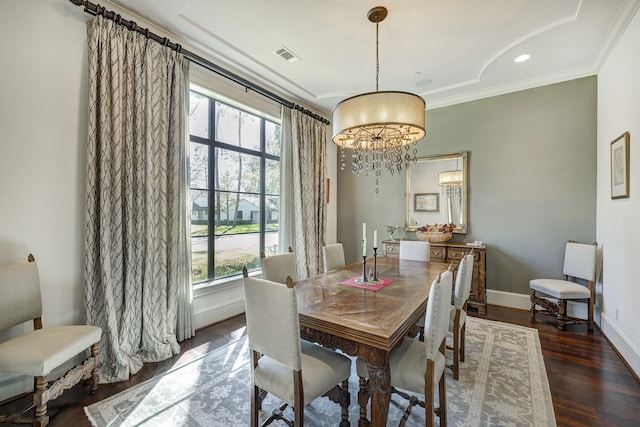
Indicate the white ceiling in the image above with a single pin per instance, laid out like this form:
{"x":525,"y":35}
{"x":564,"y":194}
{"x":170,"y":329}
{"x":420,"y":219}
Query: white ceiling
{"x":466,"y":48}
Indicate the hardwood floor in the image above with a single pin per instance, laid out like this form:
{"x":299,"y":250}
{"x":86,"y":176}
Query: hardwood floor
{"x":590,"y":385}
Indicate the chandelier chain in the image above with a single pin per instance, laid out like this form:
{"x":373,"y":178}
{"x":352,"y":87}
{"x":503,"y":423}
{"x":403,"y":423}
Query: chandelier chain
{"x":377,"y":59}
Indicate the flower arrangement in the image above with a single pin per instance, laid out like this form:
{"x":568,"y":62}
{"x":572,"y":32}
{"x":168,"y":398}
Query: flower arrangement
{"x":437,"y":228}
{"x":435,"y":233}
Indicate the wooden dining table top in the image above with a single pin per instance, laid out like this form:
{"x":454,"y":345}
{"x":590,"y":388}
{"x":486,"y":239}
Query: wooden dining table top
{"x":378,"y":319}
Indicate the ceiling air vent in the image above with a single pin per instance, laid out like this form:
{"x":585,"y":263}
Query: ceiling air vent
{"x":286,"y":54}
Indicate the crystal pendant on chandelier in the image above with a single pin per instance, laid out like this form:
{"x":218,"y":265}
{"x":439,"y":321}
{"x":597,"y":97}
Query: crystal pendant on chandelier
{"x":382,"y":128}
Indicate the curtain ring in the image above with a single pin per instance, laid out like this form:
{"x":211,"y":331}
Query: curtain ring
{"x":146,"y":32}
{"x":133,"y":26}
{"x":178,"y":47}
{"x":118,"y":19}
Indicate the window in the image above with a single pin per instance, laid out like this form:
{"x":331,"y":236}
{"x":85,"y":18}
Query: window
{"x":235,"y":186}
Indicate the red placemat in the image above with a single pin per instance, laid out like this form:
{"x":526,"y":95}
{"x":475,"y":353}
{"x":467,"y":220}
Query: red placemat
{"x":352,"y":282}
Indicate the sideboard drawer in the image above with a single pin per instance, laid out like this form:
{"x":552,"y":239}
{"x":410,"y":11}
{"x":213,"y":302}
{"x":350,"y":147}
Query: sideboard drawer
{"x":438,"y":254}
{"x":391,"y":248}
{"x":455,"y":254}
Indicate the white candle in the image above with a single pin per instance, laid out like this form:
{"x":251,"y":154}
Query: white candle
{"x":364,"y":230}
{"x":364,"y":246}
{"x":375,"y":239}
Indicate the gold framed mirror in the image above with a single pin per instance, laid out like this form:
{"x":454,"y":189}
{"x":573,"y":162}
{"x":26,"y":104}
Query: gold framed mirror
{"x":436,"y":192}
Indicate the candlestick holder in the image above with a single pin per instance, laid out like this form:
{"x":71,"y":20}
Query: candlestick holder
{"x":363,"y":280}
{"x":375,"y":266}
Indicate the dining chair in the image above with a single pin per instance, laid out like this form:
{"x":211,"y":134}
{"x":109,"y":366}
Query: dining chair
{"x":418,"y":367}
{"x":580,"y":262}
{"x":293,"y":370}
{"x":37,"y":353}
{"x":458,"y":310}
{"x":333,"y":256}
{"x":276,"y":268}
{"x":414,"y":250}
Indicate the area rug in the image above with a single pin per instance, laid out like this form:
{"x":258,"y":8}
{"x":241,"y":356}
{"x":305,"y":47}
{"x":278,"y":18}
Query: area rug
{"x":502,"y":382}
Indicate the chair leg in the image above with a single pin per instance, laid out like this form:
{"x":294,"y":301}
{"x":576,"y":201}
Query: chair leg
{"x":94,"y":372}
{"x":363,"y":399}
{"x":40,"y":403}
{"x":562,"y":310}
{"x":298,"y":399}
{"x":590,"y":313}
{"x":463,"y":332}
{"x":255,"y":404}
{"x":345,"y":401}
{"x":533,"y":305}
{"x":456,"y":349}
{"x":429,"y":398}
{"x":442,"y":396}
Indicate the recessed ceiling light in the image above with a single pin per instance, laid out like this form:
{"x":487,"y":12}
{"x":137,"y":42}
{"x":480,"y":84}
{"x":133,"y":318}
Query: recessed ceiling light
{"x":522,"y":58}
{"x":423,"y":82}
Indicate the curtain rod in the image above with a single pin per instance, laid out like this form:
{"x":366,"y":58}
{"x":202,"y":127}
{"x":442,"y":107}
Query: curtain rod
{"x":96,"y":9}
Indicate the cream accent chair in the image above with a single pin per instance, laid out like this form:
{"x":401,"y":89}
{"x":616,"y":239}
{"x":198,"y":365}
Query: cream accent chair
{"x":276,"y":268}
{"x":293,"y":370}
{"x":414,"y":250}
{"x":333,"y":256}
{"x":458,"y":313}
{"x":40,"y":351}
{"x":580,"y":262}
{"x":418,"y":366}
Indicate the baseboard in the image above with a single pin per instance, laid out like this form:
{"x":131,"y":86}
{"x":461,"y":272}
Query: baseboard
{"x":508,"y":299}
{"x":523,"y":302}
{"x":217,"y":313}
{"x":629,"y":353}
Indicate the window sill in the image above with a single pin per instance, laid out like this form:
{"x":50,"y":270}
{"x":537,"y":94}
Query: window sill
{"x":221,"y":285}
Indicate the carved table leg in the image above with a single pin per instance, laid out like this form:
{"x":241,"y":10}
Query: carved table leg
{"x":380,"y":392}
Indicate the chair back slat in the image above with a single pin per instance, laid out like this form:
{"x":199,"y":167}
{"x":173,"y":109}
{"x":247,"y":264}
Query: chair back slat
{"x":580,"y":260}
{"x":273,"y":328}
{"x":436,"y":323}
{"x":20,"y":299}
{"x":463,"y":281}
{"x":276,"y":268}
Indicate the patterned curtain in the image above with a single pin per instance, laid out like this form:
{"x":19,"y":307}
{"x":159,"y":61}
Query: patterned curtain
{"x":304,"y":202}
{"x":137,"y":267}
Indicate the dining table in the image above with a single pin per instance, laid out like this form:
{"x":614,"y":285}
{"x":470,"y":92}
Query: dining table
{"x":367,"y":323}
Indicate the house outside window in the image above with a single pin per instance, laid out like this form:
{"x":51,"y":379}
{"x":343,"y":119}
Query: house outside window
{"x":235,"y":185}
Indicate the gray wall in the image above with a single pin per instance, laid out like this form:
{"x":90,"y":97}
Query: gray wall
{"x":532,"y":180}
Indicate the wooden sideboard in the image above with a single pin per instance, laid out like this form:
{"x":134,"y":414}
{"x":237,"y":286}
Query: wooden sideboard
{"x":453,"y":253}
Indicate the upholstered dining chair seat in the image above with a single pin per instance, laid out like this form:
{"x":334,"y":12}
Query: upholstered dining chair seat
{"x":39,"y":352}
{"x":406,"y":362}
{"x":560,"y":288}
{"x":320,"y":366}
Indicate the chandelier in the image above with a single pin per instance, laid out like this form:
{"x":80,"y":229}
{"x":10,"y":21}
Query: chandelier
{"x":382,"y":127}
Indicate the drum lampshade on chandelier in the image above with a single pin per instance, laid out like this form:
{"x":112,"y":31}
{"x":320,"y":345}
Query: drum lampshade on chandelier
{"x":381,"y":127}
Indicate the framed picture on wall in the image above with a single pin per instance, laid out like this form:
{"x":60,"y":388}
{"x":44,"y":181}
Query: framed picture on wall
{"x":427,"y":202}
{"x":620,"y":167}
